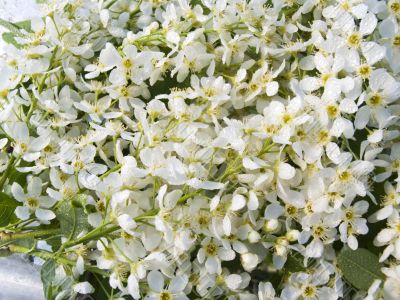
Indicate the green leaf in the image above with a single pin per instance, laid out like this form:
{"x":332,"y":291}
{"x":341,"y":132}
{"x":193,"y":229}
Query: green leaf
{"x":11,"y":27}
{"x":7,"y":207}
{"x":25,"y":25}
{"x":18,"y":177}
{"x":102,"y":288}
{"x":26,"y":243}
{"x":73,"y":220}
{"x":54,"y":242}
{"x":5,"y":253}
{"x":294,"y":263}
{"x":9,"y":38}
{"x":360,"y":267}
{"x":47,"y":274}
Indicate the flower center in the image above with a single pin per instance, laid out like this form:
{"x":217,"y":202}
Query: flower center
{"x":309,"y":291}
{"x":211,"y":249}
{"x":345,"y":176}
{"x":374,"y":100}
{"x":4,"y":93}
{"x":349,"y":215}
{"x":203,"y":220}
{"x":325,"y":77}
{"x":210,"y":92}
{"x":127,"y":63}
{"x":24,"y":147}
{"x":48,"y":149}
{"x":345,"y":5}
{"x":332,"y":111}
{"x":396,"y":40}
{"x":319,"y":231}
{"x":32,"y":203}
{"x":291,"y":210}
{"x":354,"y":40}
{"x":395,"y":7}
{"x":323,"y":137}
{"x":122,"y":270}
{"x":78,"y":165}
{"x":287,"y":118}
{"x":165,"y":296}
{"x":364,"y":71}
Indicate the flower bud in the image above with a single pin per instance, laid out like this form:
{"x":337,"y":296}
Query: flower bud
{"x":249,"y":261}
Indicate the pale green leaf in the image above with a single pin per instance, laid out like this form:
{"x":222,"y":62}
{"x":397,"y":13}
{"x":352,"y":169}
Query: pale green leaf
{"x":47,"y":274}
{"x":7,"y":207}
{"x":359,"y":267}
{"x":72,"y":220}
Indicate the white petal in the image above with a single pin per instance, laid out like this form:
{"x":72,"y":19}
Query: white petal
{"x":310,"y":84}
{"x":376,"y":136}
{"x":273,"y":211}
{"x":352,"y":242}
{"x":387,"y":28}
{"x":173,"y":37}
{"x":272,"y":88}
{"x":178,"y":284}
{"x":250,"y":164}
{"x":226,"y":225}
{"x":372,"y":52}
{"x":359,"y":11}
{"x":22,"y":212}
{"x":127,"y":223}
{"x":286,"y":171}
{"x":44,"y":214}
{"x":155,"y":280}
{"x":362,"y":117}
{"x":238,"y":202}
{"x":333,"y":152}
{"x":205,"y":185}
{"x":233,"y":281}
{"x":348,"y":106}
{"x":18,"y":192}
{"x":383,"y":213}
{"x":133,"y":287}
{"x":80,"y":265}
{"x":249,"y":261}
{"x":35,"y":186}
{"x":253,"y":201}
{"x":39,"y":143}
{"x":307,"y":63}
{"x":226,"y":254}
{"x":315,"y":249}
{"x":385,"y":235}
{"x":213,"y":265}
{"x":109,"y":56}
{"x":83,"y":288}
{"x":368,"y":24}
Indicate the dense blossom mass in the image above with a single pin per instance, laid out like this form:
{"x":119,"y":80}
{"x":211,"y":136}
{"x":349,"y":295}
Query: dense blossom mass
{"x":212,"y":149}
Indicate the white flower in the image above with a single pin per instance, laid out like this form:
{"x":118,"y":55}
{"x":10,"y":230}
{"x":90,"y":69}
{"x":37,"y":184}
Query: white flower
{"x":353,"y":224}
{"x":173,"y":291}
{"x":33,"y":201}
{"x":390,"y":236}
{"x":24,"y":145}
{"x":391,"y":286}
{"x":212,"y":253}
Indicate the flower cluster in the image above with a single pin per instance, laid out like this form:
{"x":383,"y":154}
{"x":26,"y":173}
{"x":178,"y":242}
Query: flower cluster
{"x":204,"y":149}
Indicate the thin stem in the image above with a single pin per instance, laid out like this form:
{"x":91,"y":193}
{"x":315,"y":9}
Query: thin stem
{"x":94,"y":234}
{"x":110,"y":4}
{"x":30,"y":234}
{"x":113,"y":169}
{"x":103,"y":230}
{"x":48,"y":255}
